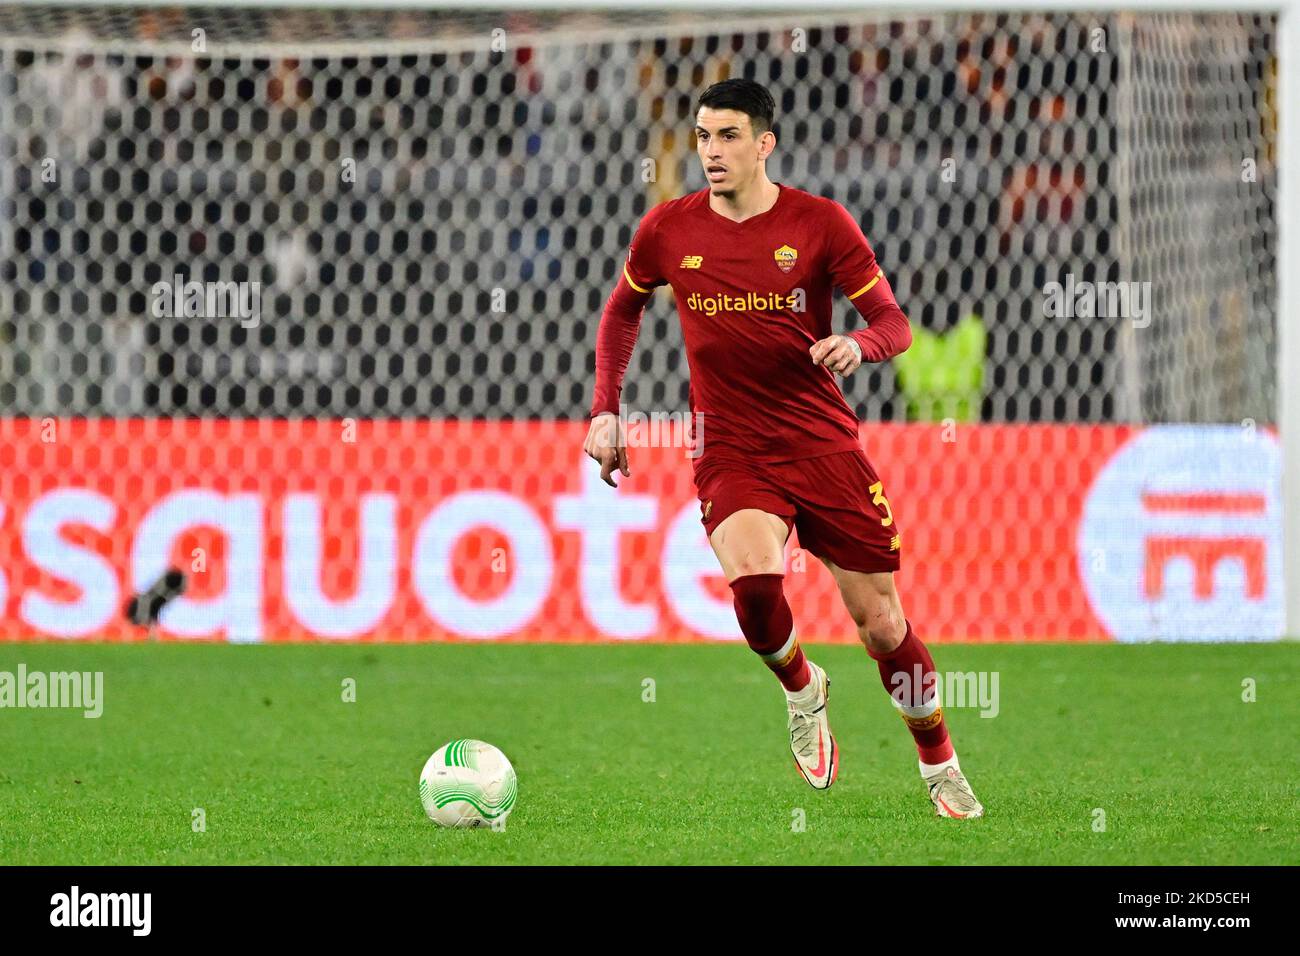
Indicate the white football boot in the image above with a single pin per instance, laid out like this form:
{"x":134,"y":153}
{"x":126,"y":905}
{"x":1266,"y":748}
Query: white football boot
{"x":815,"y":755}
{"x":952,"y":796}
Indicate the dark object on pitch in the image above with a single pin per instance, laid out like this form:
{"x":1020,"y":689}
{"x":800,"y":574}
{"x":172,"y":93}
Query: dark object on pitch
{"x":143,"y":608}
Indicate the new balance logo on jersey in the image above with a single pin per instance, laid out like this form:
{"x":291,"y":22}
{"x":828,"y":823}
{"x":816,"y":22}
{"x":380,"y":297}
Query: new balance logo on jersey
{"x":692,"y":262}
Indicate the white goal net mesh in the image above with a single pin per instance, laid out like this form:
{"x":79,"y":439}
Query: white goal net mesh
{"x":428,"y":211}
{"x":434,"y":224}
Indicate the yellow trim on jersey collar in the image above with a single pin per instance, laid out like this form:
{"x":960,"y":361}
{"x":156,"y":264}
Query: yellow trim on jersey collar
{"x":865,"y":288}
{"x":627,"y":275}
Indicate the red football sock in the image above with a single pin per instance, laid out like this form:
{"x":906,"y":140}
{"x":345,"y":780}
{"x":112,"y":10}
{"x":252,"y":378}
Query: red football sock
{"x":913,"y":691}
{"x":768,"y":626}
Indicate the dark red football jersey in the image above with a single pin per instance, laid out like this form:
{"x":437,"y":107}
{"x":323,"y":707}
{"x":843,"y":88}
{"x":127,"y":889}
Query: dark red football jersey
{"x":753,"y":296}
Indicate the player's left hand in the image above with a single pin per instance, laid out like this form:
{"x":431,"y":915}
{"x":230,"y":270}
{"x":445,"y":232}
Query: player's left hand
{"x":839,"y":353}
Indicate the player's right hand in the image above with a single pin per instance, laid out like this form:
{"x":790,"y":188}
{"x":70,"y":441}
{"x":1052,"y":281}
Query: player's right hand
{"x":607,"y":444}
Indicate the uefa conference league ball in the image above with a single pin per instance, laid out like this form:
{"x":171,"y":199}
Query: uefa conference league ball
{"x":468,"y":783}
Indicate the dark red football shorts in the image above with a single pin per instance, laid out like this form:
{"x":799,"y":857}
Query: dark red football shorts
{"x":836,"y":503}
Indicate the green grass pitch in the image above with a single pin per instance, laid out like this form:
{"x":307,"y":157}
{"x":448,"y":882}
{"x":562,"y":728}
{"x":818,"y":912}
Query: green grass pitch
{"x":1156,"y":736}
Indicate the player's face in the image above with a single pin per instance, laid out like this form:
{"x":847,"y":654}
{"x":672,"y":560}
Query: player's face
{"x":728,"y":150}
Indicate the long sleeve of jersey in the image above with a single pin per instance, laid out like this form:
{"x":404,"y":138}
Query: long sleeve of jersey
{"x":855,"y":272}
{"x":621,"y":320}
{"x":887,"y":333}
{"x":615,"y":341}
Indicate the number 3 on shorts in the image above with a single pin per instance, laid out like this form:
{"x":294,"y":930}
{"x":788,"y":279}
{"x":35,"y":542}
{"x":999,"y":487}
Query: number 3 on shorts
{"x":878,"y":498}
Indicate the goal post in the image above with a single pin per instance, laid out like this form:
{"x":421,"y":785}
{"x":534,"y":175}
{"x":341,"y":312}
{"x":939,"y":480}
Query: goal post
{"x":424,"y":209}
{"x":1288,"y":298}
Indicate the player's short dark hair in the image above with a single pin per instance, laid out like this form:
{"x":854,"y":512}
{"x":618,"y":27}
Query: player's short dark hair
{"x":747,"y":97}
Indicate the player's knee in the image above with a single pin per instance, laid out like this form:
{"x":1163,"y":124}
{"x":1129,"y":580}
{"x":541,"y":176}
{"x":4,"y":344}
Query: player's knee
{"x":861,"y":617}
{"x":753,"y":563}
{"x":881,"y":629}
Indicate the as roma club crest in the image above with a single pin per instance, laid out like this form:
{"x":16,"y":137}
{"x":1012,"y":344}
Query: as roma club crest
{"x":786,"y":257}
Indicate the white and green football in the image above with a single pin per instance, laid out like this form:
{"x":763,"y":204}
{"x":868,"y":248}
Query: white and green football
{"x":468,"y":783}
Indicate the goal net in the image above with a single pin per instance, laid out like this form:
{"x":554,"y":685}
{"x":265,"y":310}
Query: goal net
{"x":349,"y":264}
